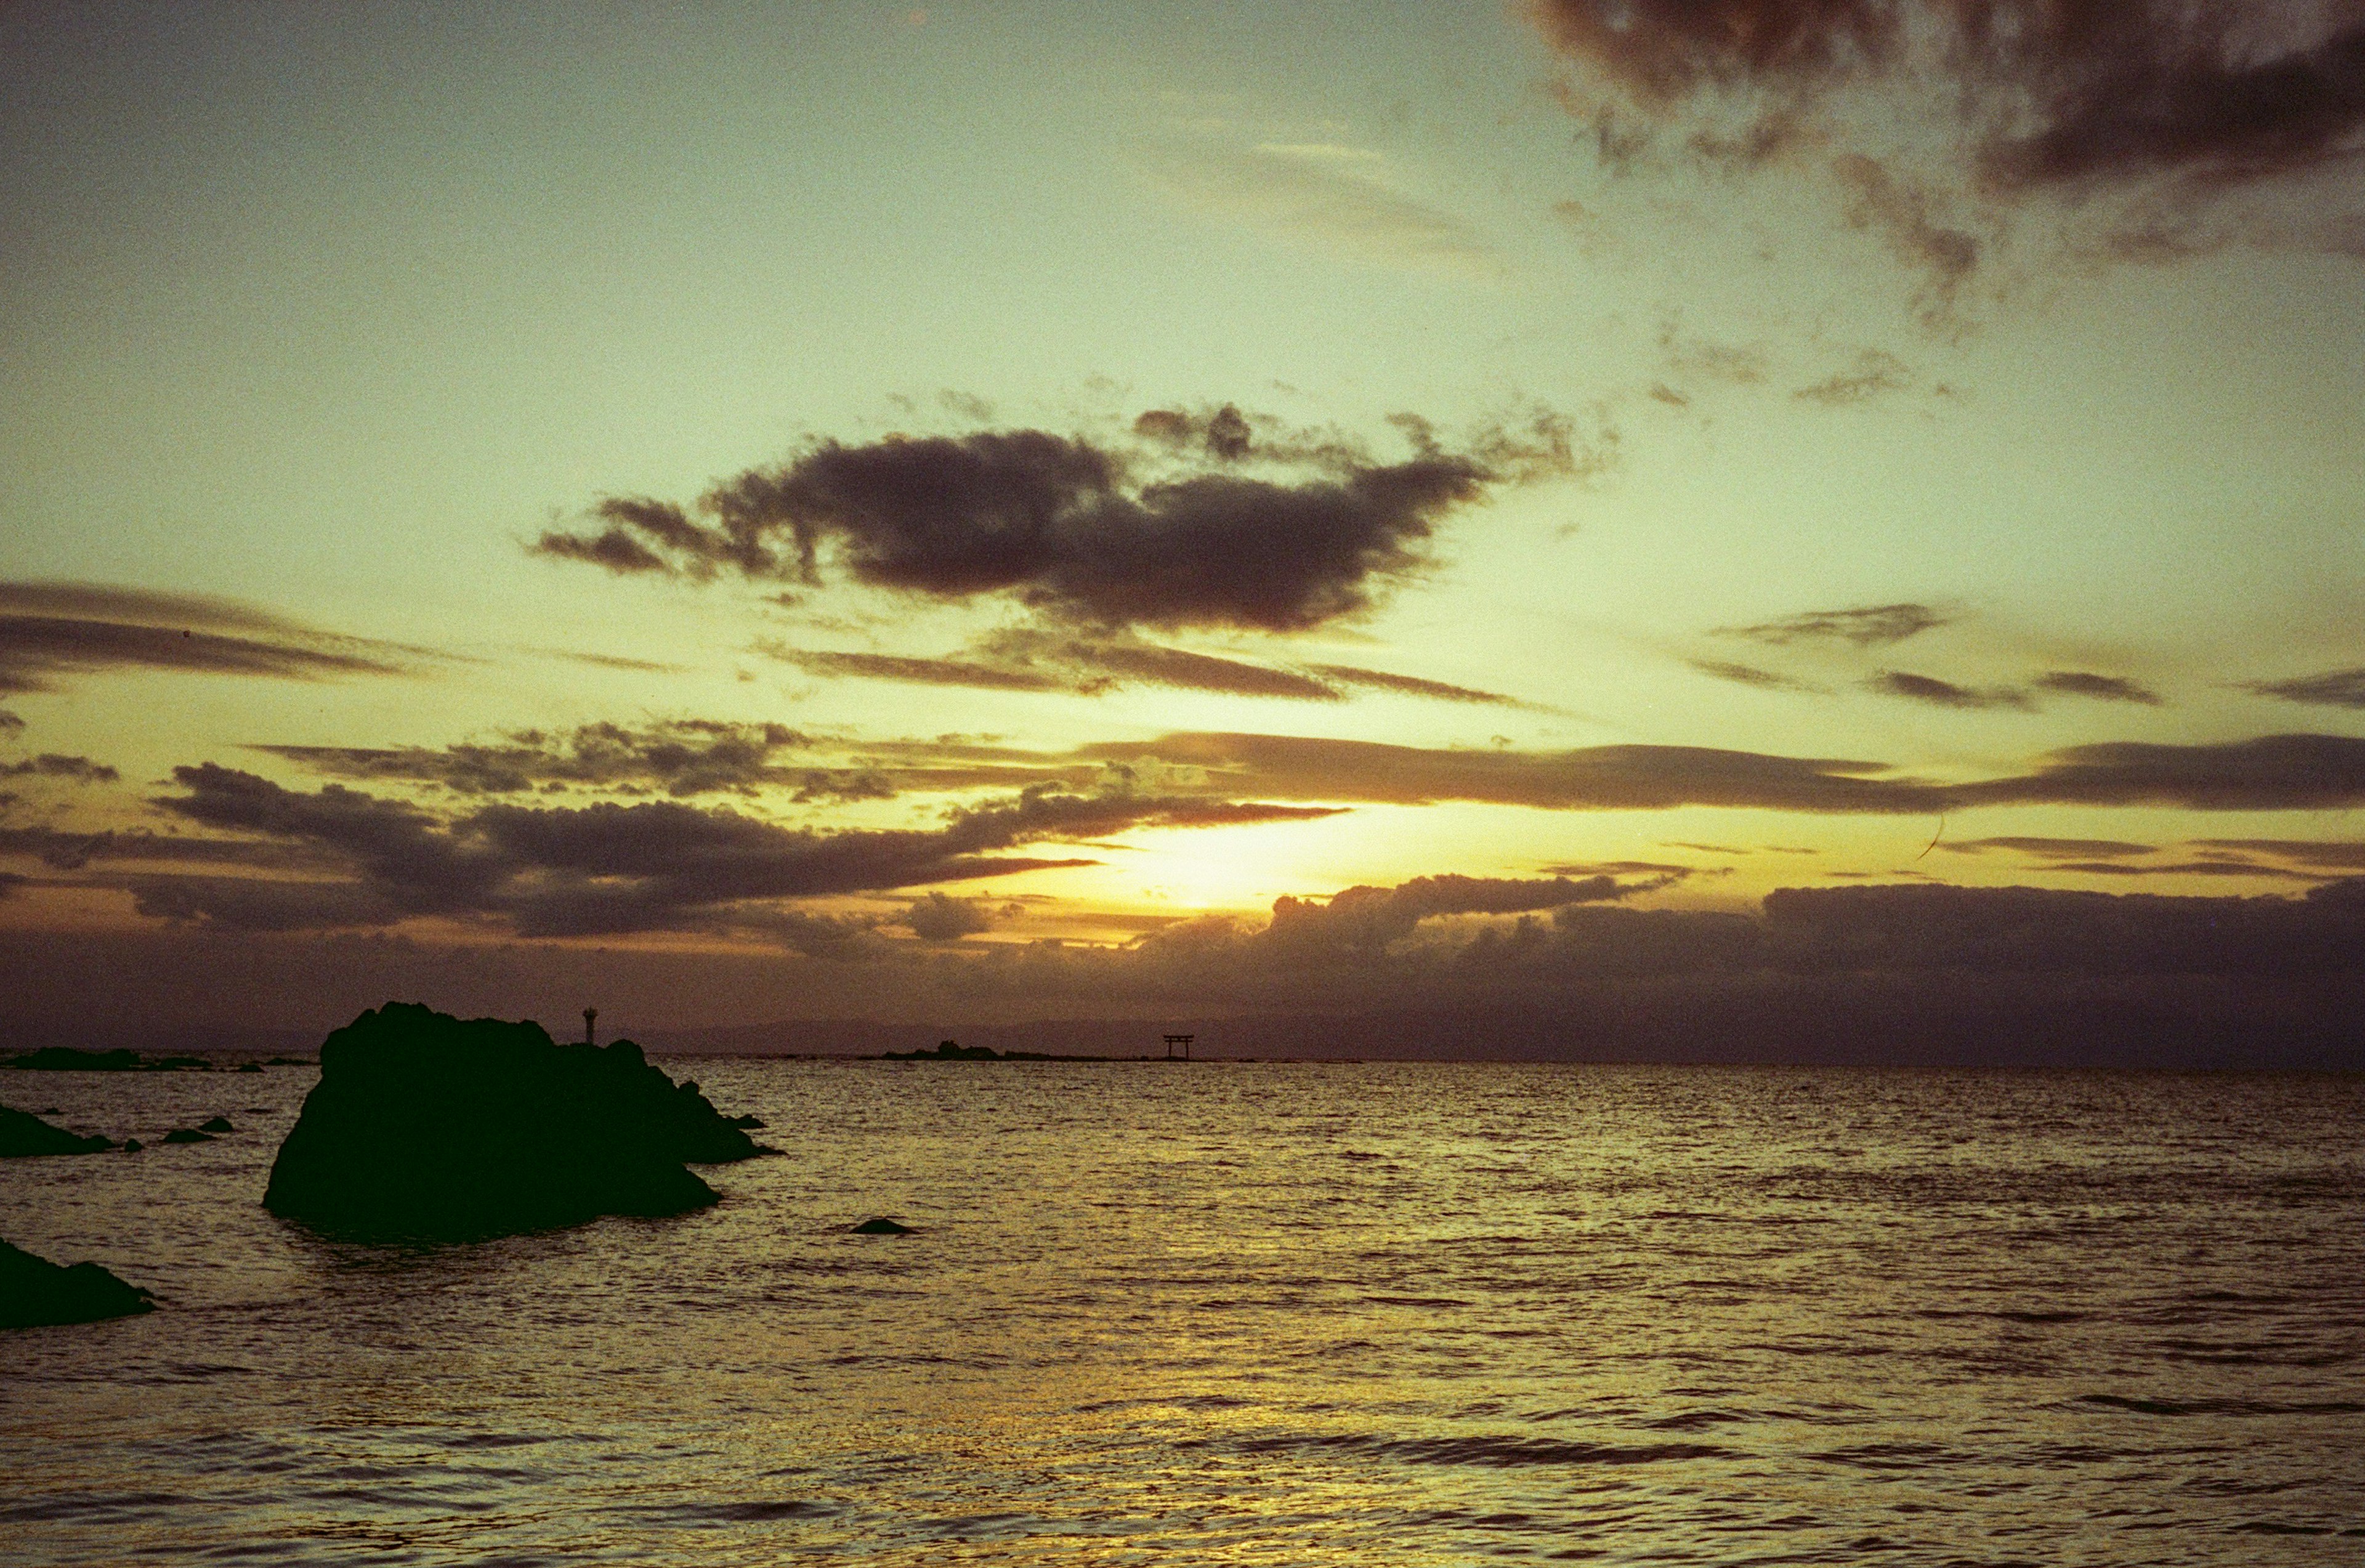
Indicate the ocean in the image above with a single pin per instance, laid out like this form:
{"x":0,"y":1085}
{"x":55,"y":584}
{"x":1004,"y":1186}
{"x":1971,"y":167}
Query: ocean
{"x":1244,"y":1314}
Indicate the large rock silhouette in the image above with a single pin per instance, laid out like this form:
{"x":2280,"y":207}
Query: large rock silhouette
{"x":34,"y":1290}
{"x":21,"y":1132}
{"x":426,"y":1126}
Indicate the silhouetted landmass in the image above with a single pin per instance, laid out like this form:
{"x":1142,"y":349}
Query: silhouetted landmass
{"x":188,"y":1134}
{"x":426,"y":1126}
{"x":882,"y":1226}
{"x":34,"y":1290}
{"x":61,"y":1058}
{"x":949,"y":1050}
{"x":22,"y":1132}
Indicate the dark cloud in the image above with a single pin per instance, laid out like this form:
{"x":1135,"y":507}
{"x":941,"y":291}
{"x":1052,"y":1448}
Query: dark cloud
{"x":2332,"y":855}
{"x":1874,"y":372}
{"x":1944,"y":693}
{"x":51,"y":765}
{"x":2034,"y":930}
{"x":2334,"y":689}
{"x":1932,"y":119}
{"x":1413,"y":685}
{"x":1870,"y":626}
{"x":1612,"y":777}
{"x":2205,"y":868}
{"x":1028,"y":659}
{"x":2051,"y":848}
{"x":2049,"y":92}
{"x":64,"y":851}
{"x":613,"y":867}
{"x":9,"y":721}
{"x":1085,"y":533}
{"x":2296,"y":772}
{"x":615,"y":661}
{"x":2105,"y":687}
{"x":1750,"y":675}
{"x":1373,"y":918}
{"x":942,"y":918}
{"x":35,"y":650}
{"x":1902,"y":212}
{"x":53,"y":629}
{"x":920,"y":671}
{"x":681,"y":757}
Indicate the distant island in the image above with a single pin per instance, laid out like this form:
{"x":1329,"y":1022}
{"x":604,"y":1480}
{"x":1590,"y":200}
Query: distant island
{"x":952,"y":1050}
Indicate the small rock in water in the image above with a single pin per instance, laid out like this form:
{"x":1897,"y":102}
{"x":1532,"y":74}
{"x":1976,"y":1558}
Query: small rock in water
{"x":132,"y":1145}
{"x":216,"y":1125}
{"x":881,"y":1227}
{"x":188,"y":1134}
{"x":34,"y":1290}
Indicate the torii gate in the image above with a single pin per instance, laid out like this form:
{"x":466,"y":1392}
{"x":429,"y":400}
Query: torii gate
{"x":1181,"y":1040}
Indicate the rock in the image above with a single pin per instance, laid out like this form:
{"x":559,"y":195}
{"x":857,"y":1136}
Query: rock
{"x":751,"y":1123}
{"x":249,"y":1066}
{"x":132,"y":1145}
{"x":59,"y":1058}
{"x":216,"y":1125}
{"x":879,"y":1228}
{"x":188,"y":1134}
{"x":21,"y":1132}
{"x":426,"y":1126}
{"x":34,"y":1290}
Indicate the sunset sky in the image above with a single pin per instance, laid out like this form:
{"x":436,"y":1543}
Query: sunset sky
{"x":831,"y":511}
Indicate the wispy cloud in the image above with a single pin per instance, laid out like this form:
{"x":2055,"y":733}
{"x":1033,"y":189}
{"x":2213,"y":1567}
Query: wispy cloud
{"x":1347,"y":201}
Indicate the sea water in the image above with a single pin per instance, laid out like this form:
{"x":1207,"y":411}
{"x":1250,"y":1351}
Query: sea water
{"x":1232,"y":1313}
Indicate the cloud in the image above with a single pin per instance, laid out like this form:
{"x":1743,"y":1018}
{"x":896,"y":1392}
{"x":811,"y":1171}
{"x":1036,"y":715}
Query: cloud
{"x":1944,"y":693}
{"x":1091,"y":535}
{"x":2291,"y":772}
{"x":679,"y":756}
{"x":2169,"y":105}
{"x":1346,"y":200}
{"x":1414,"y":686}
{"x":2104,"y":688}
{"x":940,"y":918}
{"x":48,"y":630}
{"x":1900,"y":210}
{"x":613,"y":868}
{"x":9,"y":721}
{"x":1750,"y":675}
{"x":1371,"y":918}
{"x":1612,"y":777}
{"x":918,"y":671}
{"x":50,"y":765}
{"x":1875,"y":371}
{"x":1868,"y":626}
{"x":2332,"y":855}
{"x":2333,"y":688}
{"x":2047,"y":92}
{"x":2051,"y":848}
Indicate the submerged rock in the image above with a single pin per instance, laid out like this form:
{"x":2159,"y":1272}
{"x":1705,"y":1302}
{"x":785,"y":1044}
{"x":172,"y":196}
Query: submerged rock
{"x":34,"y":1290}
{"x":21,"y":1132}
{"x":428,"y":1127}
{"x":879,"y":1228}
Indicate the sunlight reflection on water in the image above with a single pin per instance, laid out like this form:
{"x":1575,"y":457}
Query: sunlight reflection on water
{"x":1246,"y":1314}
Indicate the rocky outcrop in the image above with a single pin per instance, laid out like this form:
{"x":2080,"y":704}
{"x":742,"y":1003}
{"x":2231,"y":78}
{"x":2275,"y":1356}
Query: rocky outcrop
{"x":427,"y":1126}
{"x":34,"y":1292}
{"x":21,"y":1132}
